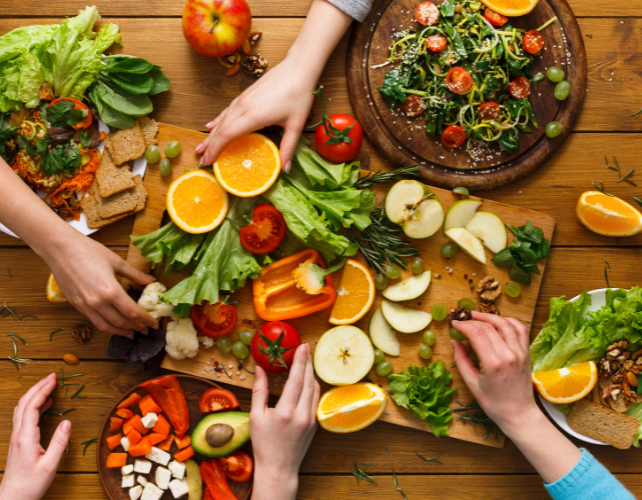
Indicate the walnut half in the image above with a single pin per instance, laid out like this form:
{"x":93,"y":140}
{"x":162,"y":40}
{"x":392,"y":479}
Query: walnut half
{"x":488,"y":289}
{"x":612,"y":391}
{"x":459,"y":314}
{"x":255,"y":65}
{"x":81,"y":333}
{"x":489,"y":308}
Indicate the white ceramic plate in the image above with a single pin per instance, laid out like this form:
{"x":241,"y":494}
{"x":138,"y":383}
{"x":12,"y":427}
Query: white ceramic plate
{"x":598,"y":299}
{"x":140,"y":166}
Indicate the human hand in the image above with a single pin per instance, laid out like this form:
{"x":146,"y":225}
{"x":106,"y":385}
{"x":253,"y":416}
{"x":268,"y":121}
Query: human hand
{"x":30,"y":469}
{"x":281,"y":435}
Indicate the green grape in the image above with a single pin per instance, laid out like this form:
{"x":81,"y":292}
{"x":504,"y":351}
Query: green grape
{"x":555,"y":74}
{"x":393,"y":271}
{"x":417,"y":265}
{"x":553,"y":129}
{"x":384,"y":368}
{"x":165,"y":166}
{"x":152,"y":154}
{"x":439,"y":311}
{"x":512,"y":289}
{"x":173,"y":149}
{"x":467,"y":304}
{"x":455,"y":335}
{"x":430,"y":338}
{"x":378,"y":356}
{"x":381,"y":281}
{"x":224,"y":344}
{"x":562,"y":90}
{"x":425,"y":352}
{"x":449,"y":250}
{"x":461,"y":190}
{"x":240,"y":350}
{"x":246,"y":336}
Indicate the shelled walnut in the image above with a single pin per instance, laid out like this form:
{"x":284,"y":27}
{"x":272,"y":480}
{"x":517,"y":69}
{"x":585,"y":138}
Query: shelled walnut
{"x":254,"y":37}
{"x":459,"y":314}
{"x":81,"y":333}
{"x":488,"y":307}
{"x":255,"y":65}
{"x":488,"y":289}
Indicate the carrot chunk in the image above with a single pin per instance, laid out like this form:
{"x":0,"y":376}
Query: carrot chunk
{"x":143,"y":447}
{"x":162,"y":426}
{"x":184,"y":442}
{"x":113,"y":441}
{"x":137,"y":423}
{"x":166,"y":445}
{"x":115,"y":424}
{"x":130,"y":401}
{"x":184,"y":454}
{"x":156,"y":438}
{"x":148,"y":405}
{"x":125,"y":413}
{"x":117,"y":460}
{"x":134,"y":437}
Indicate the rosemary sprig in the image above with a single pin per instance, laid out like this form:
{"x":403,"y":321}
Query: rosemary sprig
{"x":10,"y":311}
{"x":380,"y":177}
{"x":10,"y":334}
{"x":388,"y":450}
{"x":77,"y":392}
{"x":433,"y":459}
{"x":396,"y":483}
{"x":474,"y":414}
{"x":362,"y":474}
{"x":87,"y":444}
{"x":638,"y":200}
{"x":64,"y":377}
{"x":619,"y":172}
{"x":637,"y":115}
{"x":607,"y":270}
{"x":15,"y":348}
{"x":9,"y":271}
{"x":58,"y":413}
{"x":54,"y":332}
{"x":19,"y":360}
{"x":590,"y":36}
{"x":68,"y":447}
{"x":66,"y":392}
{"x":601,"y":189}
{"x":19,"y":377}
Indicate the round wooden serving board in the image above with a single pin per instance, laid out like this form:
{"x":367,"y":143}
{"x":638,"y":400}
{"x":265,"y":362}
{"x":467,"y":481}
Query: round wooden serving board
{"x":404,"y":141}
{"x":193,"y":387}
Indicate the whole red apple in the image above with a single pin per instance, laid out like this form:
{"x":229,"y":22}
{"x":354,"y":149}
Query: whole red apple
{"x":216,"y":28}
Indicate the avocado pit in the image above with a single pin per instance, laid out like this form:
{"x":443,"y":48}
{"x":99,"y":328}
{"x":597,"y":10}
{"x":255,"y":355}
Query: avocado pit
{"x":218,"y":435}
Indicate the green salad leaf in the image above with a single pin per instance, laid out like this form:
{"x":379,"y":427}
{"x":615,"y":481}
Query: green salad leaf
{"x":636,"y":412}
{"x":528,"y":246}
{"x":315,"y":172}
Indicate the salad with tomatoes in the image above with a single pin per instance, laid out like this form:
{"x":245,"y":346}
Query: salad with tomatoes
{"x":467,"y":70}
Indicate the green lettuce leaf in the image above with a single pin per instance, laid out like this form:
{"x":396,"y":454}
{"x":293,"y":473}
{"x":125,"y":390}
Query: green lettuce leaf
{"x":310,"y":169}
{"x":636,"y":412}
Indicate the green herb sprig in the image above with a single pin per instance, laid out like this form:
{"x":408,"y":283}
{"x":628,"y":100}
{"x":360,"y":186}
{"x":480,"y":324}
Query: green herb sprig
{"x":619,"y":172}
{"x":87,"y":444}
{"x":607,"y":270}
{"x":362,"y":474}
{"x":396,"y":483}
{"x":432,"y":459}
{"x":474,"y":414}
{"x":54,"y":332}
{"x":380,"y":177}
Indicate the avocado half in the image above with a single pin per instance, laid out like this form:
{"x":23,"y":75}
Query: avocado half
{"x":239,"y":421}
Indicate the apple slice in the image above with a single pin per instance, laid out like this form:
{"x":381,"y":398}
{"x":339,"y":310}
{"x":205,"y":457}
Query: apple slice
{"x":460,"y":213}
{"x":382,"y":335}
{"x":415,"y":208}
{"x":490,"y":229}
{"x":468,"y":242}
{"x":343,"y":355}
{"x":404,"y":319}
{"x":408,"y":289}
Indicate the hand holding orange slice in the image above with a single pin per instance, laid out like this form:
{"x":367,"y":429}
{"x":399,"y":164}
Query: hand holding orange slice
{"x":351,"y":408}
{"x":608,"y":215}
{"x":566,"y":385}
{"x":355,"y":295}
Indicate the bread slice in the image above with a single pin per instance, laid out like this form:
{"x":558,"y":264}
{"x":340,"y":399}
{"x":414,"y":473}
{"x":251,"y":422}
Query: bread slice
{"x":113,"y":180}
{"x":141,"y":193}
{"x":126,"y":145}
{"x":149,"y":128}
{"x":603,"y":423}
{"x":125,"y":201}
{"x":94,"y":220}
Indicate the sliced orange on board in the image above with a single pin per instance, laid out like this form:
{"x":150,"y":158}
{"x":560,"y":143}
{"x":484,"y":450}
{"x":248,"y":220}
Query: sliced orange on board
{"x":351,"y":408}
{"x":511,"y":8}
{"x":608,"y":215}
{"x":54,"y":293}
{"x":248,"y":166}
{"x":355,"y":294}
{"x":196,"y":202}
{"x":566,"y":385}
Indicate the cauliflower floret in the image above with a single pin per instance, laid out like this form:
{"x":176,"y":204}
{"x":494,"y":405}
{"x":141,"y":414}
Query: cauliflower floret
{"x":150,"y":302}
{"x":181,"y":339}
{"x":208,"y":342}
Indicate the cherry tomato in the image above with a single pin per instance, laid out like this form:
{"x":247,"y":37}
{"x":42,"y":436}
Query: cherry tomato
{"x":489,"y":110}
{"x":533,"y":42}
{"x":436,"y":43}
{"x":414,"y":106}
{"x":519,"y":88}
{"x":218,"y":399}
{"x":453,"y":137}
{"x":266,"y":231}
{"x":342,"y":151}
{"x":427,"y":13}
{"x":495,"y":18}
{"x":237,"y":466}
{"x":458,"y":80}
{"x":268,"y":355}
{"x":87,"y":121}
{"x":214,"y":320}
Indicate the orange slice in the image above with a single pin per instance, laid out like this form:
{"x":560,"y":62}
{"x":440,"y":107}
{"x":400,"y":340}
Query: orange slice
{"x":54,"y":294}
{"x":355,"y":295}
{"x":566,"y":385}
{"x":196,"y":202}
{"x":351,"y":408}
{"x":248,"y":166}
{"x":511,"y":8}
{"x":608,"y":215}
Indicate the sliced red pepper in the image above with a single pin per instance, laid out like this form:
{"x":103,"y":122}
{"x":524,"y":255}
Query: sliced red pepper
{"x":167,"y":393}
{"x":215,"y":481}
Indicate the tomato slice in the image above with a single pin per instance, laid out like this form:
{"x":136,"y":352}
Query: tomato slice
{"x":533,"y":42}
{"x":218,"y":399}
{"x":237,"y":466}
{"x":436,"y":43}
{"x":489,"y":110}
{"x":458,"y":80}
{"x":266,"y":231}
{"x":495,"y":18}
{"x":453,"y":137}
{"x":414,"y":106}
{"x":77,"y":105}
{"x":427,"y":13}
{"x":519,"y":88}
{"x":214,"y":320}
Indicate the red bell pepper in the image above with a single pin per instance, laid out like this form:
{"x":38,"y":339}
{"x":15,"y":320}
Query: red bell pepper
{"x":215,"y":481}
{"x":167,"y":393}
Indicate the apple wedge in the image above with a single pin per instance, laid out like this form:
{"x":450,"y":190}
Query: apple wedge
{"x":382,"y":335}
{"x":468,"y":242}
{"x":343,"y":355}
{"x":415,"y":208}
{"x":460,"y":213}
{"x":404,"y":319}
{"x":490,"y":229}
{"x":408,"y":289}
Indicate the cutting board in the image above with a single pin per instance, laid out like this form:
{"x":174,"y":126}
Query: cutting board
{"x":404,"y":141}
{"x":449,"y":288}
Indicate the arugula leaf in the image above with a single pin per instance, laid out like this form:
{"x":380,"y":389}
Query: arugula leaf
{"x":391,"y":90}
{"x":447,"y":8}
{"x":528,"y":246}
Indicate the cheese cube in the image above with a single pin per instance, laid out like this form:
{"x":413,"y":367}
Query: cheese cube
{"x":128,"y":469}
{"x":142,"y":466}
{"x":135,"y":492}
{"x":142,"y":480}
{"x":128,"y":481}
{"x":125,"y":442}
{"x":163,"y":477}
{"x":178,"y":487}
{"x":159,"y":456}
{"x":177,"y":469}
{"x":152,"y":492}
{"x":150,"y":420}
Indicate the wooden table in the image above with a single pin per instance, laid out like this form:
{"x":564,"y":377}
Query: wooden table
{"x":152,"y":29}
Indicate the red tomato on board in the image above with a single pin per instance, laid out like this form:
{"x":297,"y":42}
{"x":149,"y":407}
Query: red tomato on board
{"x":217,"y":399}
{"x":436,"y":43}
{"x":427,"y":13}
{"x":489,"y":110}
{"x":414,"y":106}
{"x":343,"y":151}
{"x":77,"y":105}
{"x":214,"y":320}
{"x":495,"y":18}
{"x":237,"y":466}
{"x":275,"y":350}
{"x":453,"y":137}
{"x":266,"y":231}
{"x":533,"y":42}
{"x":519,"y":88}
{"x":458,"y":80}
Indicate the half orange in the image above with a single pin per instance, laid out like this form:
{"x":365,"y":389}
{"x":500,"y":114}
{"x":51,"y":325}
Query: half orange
{"x":608,"y":215}
{"x":355,"y":295}
{"x":511,"y":8}
{"x":54,"y":293}
{"x":351,"y":408}
{"x":566,"y":385}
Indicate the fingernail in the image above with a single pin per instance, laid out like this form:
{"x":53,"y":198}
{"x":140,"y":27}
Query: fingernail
{"x":150,"y":277}
{"x":65,"y":426}
{"x":52,"y":376}
{"x":258,"y":372}
{"x":209,"y":124}
{"x":288,"y":166}
{"x":304,"y":349}
{"x":200,"y":162}
{"x":144,"y":331}
{"x":200,"y":147}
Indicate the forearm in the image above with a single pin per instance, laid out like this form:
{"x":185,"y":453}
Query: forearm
{"x":265,"y":488}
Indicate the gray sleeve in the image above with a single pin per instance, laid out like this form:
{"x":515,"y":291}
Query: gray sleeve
{"x":357,"y":9}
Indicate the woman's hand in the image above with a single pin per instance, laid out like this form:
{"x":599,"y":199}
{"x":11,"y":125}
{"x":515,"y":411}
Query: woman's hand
{"x":281,"y":435}
{"x":30,"y":469}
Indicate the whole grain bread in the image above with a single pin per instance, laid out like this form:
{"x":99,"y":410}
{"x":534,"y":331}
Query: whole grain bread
{"x":113,"y":180}
{"x":126,"y":145}
{"x":94,"y":220}
{"x":142,"y":194}
{"x":149,"y":128}
{"x":603,"y":423}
